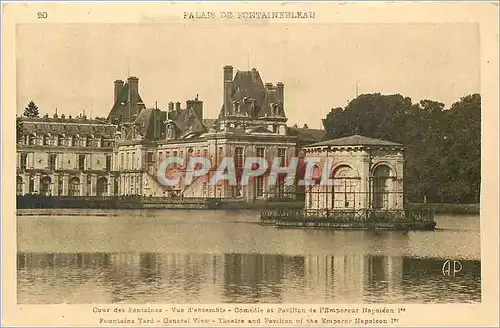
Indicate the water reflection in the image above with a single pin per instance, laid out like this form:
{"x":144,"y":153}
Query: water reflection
{"x":240,"y":278}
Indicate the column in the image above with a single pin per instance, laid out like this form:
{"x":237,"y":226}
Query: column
{"x":65,"y":185}
{"x":399,"y":185}
{"x":83,"y":184}
{"x":93,"y":185}
{"x":111,"y":185}
{"x":55,"y":184}
{"x":26,"y":183}
{"x":37,"y":183}
{"x":364,"y":188}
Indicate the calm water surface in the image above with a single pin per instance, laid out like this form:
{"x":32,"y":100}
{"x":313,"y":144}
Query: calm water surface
{"x":218,"y":257}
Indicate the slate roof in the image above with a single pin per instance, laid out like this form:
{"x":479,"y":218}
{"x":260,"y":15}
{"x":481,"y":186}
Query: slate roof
{"x":306,"y":134}
{"x":355,"y":140}
{"x":42,"y":126}
{"x":120,"y":109}
{"x":260,"y":129}
{"x":248,"y":86}
{"x":146,"y":120}
{"x":187,"y":121}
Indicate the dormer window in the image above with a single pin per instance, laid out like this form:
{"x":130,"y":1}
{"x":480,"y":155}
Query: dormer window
{"x":237,"y":106}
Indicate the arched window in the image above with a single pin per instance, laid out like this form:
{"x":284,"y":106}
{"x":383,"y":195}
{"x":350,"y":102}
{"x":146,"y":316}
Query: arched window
{"x":74,"y":186}
{"x":45,"y":183}
{"x":345,"y":187}
{"x":381,"y":186}
{"x":74,"y":141}
{"x":31,"y":139}
{"x":102,"y":186}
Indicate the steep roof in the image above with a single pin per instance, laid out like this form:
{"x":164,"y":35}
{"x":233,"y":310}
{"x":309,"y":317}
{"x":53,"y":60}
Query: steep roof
{"x":355,"y":140}
{"x":149,"y":122}
{"x":188,"y":121}
{"x":121,"y":108}
{"x":253,"y":97}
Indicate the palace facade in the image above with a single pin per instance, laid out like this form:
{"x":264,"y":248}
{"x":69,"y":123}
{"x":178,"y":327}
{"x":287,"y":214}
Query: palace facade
{"x":120,"y":155}
{"x":65,"y":156}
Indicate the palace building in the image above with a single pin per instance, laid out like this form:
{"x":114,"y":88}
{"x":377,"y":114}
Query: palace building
{"x":61,"y":156}
{"x":120,"y":155}
{"x":367,"y":174}
{"x":65,"y":156}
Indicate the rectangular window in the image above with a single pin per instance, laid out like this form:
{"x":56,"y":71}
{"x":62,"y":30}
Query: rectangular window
{"x":259,"y":182}
{"x":19,"y":186}
{"x":175,"y":153}
{"x":260,"y":152}
{"x":46,"y":140}
{"x":81,"y":162}
{"x":133,"y":161}
{"x":238,"y":157}
{"x":260,"y":186}
{"x":60,"y":187}
{"x":121,"y":160}
{"x":220,"y":154}
{"x":282,"y":155}
{"x":52,"y":161}
{"x":150,"y":157}
{"x":108,"y":162}
{"x":24,"y":160}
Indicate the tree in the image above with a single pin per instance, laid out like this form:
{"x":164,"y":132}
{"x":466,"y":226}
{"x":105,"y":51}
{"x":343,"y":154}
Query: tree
{"x":443,"y":147}
{"x":31,"y":110}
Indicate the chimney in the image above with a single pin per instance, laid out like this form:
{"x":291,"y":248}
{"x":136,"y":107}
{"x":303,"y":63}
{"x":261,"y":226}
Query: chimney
{"x":170,"y":106}
{"x":133,"y":93}
{"x":305,"y":126}
{"x":268,"y":86}
{"x":178,"y":106}
{"x":280,"y":87}
{"x":197,"y":106}
{"x":63,"y":116}
{"x":118,"y":88}
{"x":280,"y":90}
{"x":228,"y":83}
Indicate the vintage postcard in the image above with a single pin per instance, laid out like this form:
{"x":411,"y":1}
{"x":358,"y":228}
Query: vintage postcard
{"x":250,"y":164}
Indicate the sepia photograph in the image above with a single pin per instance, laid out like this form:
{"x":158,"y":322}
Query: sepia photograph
{"x":247,"y":156}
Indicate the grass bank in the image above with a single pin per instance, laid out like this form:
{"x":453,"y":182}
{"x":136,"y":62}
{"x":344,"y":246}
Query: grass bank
{"x":449,"y":208}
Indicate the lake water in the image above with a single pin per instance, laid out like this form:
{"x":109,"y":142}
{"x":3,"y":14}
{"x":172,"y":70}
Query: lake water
{"x":225,"y":257}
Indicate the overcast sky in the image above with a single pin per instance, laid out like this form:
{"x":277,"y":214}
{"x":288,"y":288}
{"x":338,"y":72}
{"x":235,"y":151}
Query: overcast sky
{"x":72,"y":67}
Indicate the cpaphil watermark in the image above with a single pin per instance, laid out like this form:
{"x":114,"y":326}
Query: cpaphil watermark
{"x":175,"y":170}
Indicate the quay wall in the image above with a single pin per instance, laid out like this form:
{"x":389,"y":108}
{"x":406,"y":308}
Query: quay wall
{"x":37,"y":202}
